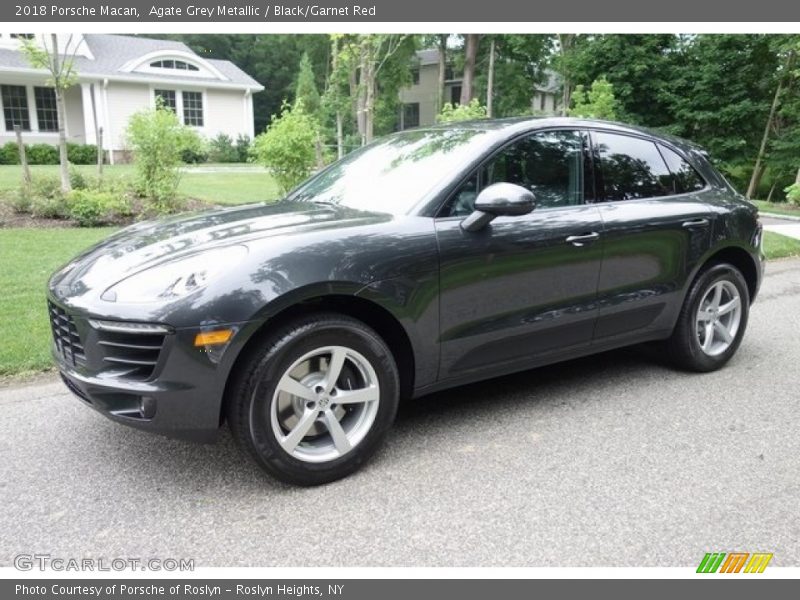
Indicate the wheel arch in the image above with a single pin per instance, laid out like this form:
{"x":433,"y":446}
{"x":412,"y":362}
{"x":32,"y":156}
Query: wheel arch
{"x":740,"y":258}
{"x":367,"y":311}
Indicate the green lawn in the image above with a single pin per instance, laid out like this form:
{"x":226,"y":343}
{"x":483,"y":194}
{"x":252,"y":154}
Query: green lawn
{"x":778,"y":208}
{"x":218,"y":184}
{"x":780,"y":246}
{"x":29,"y":256}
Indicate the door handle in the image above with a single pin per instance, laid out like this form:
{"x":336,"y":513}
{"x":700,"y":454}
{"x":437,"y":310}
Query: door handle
{"x":580,"y":240}
{"x":695,"y":223}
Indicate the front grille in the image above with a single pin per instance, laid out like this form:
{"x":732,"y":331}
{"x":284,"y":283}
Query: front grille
{"x":66,"y":338}
{"x":134,"y":355}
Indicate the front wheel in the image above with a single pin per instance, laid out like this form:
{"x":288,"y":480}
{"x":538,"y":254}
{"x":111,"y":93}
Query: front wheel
{"x":314,"y":402}
{"x":712,"y":321}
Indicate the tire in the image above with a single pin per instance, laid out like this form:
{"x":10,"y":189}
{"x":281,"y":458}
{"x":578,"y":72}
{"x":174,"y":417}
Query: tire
{"x":689,"y":346}
{"x":292,"y":434}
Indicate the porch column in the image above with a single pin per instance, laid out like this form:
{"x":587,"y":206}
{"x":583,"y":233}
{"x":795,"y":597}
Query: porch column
{"x":89,"y":125}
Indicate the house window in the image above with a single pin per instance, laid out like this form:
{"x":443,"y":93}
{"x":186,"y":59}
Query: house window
{"x":168,"y":99}
{"x":46,"y":108}
{"x":410,"y":115}
{"x":449,"y":73}
{"x":193,"y":108}
{"x":415,"y":76}
{"x":542,"y":97}
{"x":173,"y":64}
{"x":15,"y":107}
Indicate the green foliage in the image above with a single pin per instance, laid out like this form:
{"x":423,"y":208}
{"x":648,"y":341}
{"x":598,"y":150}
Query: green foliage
{"x":242,"y":147}
{"x":456,"y":112}
{"x":91,"y":207}
{"x":520,"y":61}
{"x":41,"y":154}
{"x":221,"y":149}
{"x":77,"y":180}
{"x":306,"y":88}
{"x":9,"y":154}
{"x":287,"y":147}
{"x":158,"y":140}
{"x":793,"y":193}
{"x":45,"y":198}
{"x":82,"y":154}
{"x":596,"y":103}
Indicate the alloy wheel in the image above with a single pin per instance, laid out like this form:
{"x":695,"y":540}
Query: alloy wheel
{"x":325,"y":404}
{"x":719,"y":315}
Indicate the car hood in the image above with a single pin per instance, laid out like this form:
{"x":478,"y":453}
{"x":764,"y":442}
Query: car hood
{"x":150,"y":243}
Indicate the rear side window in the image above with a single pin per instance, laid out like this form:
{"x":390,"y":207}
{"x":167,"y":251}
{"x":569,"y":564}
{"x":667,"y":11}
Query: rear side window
{"x":631,"y":168}
{"x":685,"y":177}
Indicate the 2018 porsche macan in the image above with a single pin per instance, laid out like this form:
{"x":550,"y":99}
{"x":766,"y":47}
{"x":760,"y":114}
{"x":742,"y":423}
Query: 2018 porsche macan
{"x":429,"y":259}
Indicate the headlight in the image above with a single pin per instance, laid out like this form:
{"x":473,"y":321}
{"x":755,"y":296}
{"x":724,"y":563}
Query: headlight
{"x":171,"y":280}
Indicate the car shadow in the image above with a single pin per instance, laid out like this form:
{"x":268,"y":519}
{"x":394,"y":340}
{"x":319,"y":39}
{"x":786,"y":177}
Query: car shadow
{"x":196,"y":467}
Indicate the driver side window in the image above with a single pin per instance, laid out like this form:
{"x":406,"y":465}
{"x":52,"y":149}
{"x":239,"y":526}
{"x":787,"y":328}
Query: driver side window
{"x":548,"y":163}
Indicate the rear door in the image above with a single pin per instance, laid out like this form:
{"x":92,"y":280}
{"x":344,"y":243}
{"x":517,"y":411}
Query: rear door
{"x":655,"y":228}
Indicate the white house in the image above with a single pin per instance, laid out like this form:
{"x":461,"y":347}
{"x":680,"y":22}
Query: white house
{"x":117,"y":76}
{"x":418,"y":101}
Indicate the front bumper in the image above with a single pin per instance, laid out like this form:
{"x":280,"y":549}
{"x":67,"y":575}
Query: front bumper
{"x":180,"y":398}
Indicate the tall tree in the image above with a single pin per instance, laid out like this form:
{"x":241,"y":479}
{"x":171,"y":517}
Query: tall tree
{"x":471,"y":42}
{"x":441,"y":74}
{"x":59,"y":63}
{"x":306,"y":87}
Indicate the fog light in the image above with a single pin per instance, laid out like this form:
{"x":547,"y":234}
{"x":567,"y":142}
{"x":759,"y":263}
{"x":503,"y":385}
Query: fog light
{"x":147,"y":407}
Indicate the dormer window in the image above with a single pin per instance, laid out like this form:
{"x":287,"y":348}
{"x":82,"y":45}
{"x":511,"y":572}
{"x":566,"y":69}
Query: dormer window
{"x":173,"y":64}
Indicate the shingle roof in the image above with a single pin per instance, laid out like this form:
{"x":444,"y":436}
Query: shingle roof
{"x":112,"y":52}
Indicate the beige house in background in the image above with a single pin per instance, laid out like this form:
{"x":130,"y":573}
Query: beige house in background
{"x":419,"y":100}
{"x":119,"y":75}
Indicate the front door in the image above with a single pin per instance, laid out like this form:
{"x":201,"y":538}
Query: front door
{"x":524,"y":286}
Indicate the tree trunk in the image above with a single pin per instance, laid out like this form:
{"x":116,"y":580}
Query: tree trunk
{"x":758,"y":169}
{"x":62,"y":118}
{"x":23,"y":158}
{"x":339,"y":135}
{"x":442,"y":71}
{"x":468,"y":80}
{"x":490,"y":82}
{"x":100,"y":153}
{"x":565,"y":44}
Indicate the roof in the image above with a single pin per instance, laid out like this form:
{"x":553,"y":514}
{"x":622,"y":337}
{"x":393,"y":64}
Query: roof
{"x":112,"y":52}
{"x":522,"y":124}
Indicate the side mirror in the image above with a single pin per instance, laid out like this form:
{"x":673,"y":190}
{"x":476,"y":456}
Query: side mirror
{"x":497,"y":200}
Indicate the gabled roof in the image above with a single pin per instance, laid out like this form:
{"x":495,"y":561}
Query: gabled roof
{"x":113,"y":52}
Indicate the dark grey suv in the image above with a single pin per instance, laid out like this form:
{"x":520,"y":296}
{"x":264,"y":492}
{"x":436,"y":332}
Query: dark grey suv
{"x":429,"y":259}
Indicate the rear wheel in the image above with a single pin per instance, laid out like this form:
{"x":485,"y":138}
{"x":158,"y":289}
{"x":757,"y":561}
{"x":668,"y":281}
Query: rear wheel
{"x":314,"y":402}
{"x":712,"y":321}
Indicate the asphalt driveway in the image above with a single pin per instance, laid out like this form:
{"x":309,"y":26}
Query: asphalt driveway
{"x":610,"y":460}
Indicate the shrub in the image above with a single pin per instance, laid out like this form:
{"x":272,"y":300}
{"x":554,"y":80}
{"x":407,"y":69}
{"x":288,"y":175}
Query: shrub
{"x":42,"y":154}
{"x":458,"y":112}
{"x":20,"y":200}
{"x":46,"y":199}
{"x":158,"y":140}
{"x":793,"y":193}
{"x":77,"y":180}
{"x":221,"y":149}
{"x":287,"y":147}
{"x":195,"y":153}
{"x":82,"y":154}
{"x":95,"y":207}
{"x":9,"y":154}
{"x":243,"y":145}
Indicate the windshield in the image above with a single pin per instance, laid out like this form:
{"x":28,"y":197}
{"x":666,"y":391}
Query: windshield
{"x":394,"y":173}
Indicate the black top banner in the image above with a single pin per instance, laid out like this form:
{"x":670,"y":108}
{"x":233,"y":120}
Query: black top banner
{"x":473,"y":11}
